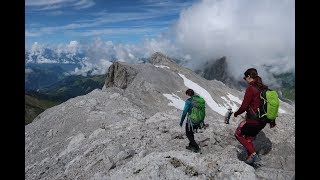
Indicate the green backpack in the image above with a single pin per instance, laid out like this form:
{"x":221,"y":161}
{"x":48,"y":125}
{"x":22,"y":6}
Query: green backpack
{"x":269,"y":105}
{"x":198,"y":111}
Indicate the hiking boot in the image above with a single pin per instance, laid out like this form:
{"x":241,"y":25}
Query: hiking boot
{"x":252,"y":159}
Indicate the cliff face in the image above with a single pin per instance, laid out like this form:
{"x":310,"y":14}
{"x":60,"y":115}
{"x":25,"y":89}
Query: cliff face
{"x":130,"y":130}
{"x":216,"y":70}
{"x":120,"y":75}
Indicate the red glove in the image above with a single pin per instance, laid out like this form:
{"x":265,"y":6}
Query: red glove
{"x":272,"y":124}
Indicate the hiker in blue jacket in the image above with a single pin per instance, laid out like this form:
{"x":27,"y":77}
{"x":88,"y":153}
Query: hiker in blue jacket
{"x":189,"y":125}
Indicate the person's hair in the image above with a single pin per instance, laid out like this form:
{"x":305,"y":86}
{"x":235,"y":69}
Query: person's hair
{"x":254,"y":75}
{"x":190,"y":92}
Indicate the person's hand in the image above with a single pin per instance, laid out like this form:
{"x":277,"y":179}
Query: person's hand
{"x":180,"y":124}
{"x":235,"y":115}
{"x":272,"y":124}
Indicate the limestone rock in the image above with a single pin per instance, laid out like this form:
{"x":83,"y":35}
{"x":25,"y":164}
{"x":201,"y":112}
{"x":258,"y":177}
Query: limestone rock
{"x":130,"y":129}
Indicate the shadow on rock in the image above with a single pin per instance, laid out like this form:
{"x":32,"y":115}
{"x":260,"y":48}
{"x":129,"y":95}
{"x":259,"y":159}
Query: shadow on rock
{"x":262,"y":145}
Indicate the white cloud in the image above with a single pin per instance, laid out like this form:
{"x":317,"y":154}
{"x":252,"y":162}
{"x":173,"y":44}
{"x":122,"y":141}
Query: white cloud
{"x":28,"y":70}
{"x":56,"y":4}
{"x":43,"y":2}
{"x":100,"y":67}
{"x":73,"y":46}
{"x":85,"y":67}
{"x":32,"y":34}
{"x":246,"y":32}
{"x":82,"y":4}
{"x":98,"y":49}
{"x":100,"y":25}
{"x":54,"y":13}
{"x":36,"y":48}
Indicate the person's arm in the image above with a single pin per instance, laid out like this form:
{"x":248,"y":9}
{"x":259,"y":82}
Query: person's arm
{"x":185,"y":111}
{"x":246,"y":101}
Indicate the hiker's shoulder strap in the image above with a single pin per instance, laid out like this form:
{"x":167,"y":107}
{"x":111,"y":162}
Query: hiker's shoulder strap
{"x":255,"y":86}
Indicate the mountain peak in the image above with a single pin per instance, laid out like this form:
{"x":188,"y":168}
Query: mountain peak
{"x":160,"y":58}
{"x":216,"y":69}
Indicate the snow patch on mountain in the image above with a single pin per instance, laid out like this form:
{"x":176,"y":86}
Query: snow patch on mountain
{"x":205,"y":95}
{"x":231,"y":104}
{"x":176,"y":101}
{"x":234,"y":98}
{"x":162,"y":66}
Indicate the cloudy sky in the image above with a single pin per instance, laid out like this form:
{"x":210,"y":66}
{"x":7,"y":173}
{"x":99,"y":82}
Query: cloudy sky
{"x":126,"y":21}
{"x":249,"y":33}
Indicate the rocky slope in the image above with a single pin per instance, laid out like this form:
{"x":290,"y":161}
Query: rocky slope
{"x":130,"y":129}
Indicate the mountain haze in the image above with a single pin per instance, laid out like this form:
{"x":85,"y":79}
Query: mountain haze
{"x":130,"y":129}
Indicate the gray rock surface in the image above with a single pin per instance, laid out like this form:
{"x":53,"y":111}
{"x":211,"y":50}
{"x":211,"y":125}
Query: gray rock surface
{"x":216,"y":70}
{"x":130,"y":130}
{"x":119,"y":75}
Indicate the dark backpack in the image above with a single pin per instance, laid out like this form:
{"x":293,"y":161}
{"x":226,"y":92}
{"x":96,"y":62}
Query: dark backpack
{"x":198,"y":111}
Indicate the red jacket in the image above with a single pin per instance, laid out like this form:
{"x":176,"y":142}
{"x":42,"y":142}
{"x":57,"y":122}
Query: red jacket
{"x":252,"y":98}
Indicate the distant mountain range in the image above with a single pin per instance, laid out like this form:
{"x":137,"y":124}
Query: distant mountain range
{"x":49,"y":65}
{"x":48,"y":83}
{"x":38,"y":76}
{"x":47,"y":55}
{"x":72,"y":86}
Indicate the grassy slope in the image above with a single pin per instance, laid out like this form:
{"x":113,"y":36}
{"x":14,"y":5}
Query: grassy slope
{"x":73,"y":86}
{"x":34,"y":106}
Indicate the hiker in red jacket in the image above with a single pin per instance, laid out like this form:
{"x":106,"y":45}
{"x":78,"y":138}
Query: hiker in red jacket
{"x":252,"y":125}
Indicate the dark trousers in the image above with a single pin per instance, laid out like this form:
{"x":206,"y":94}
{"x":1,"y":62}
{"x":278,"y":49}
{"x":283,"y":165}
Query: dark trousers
{"x":190,"y":136}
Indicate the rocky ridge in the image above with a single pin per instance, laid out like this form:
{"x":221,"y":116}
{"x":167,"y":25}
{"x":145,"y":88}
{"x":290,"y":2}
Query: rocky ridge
{"x":130,"y":130}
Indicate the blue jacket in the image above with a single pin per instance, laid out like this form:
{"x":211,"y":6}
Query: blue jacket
{"x":187,"y":109}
